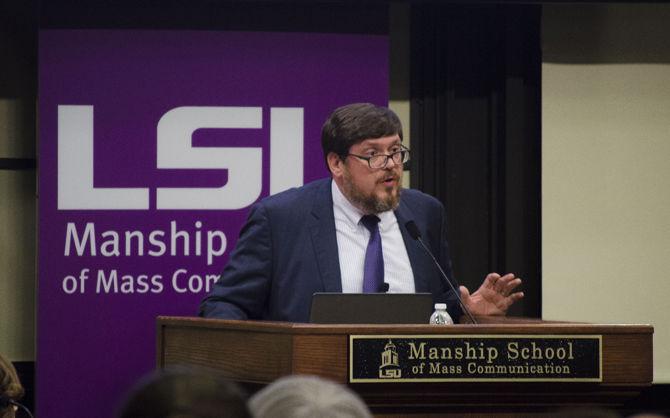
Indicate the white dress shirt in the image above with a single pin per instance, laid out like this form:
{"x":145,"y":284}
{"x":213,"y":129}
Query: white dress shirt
{"x":352,"y":242}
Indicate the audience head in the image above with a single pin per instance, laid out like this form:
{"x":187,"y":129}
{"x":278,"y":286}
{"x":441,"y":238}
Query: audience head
{"x":185,"y":393}
{"x":647,"y":415}
{"x":10,"y":388}
{"x":307,"y":396}
{"x":585,"y":412}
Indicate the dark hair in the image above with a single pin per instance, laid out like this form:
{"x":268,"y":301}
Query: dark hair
{"x":185,"y":392}
{"x":348,"y":125}
{"x":10,"y":387}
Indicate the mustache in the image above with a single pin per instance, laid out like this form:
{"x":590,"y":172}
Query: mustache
{"x":389,"y":176}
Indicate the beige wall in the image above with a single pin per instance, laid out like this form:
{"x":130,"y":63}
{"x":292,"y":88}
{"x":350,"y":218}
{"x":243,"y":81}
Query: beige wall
{"x":17,"y":232}
{"x":17,"y":187}
{"x":605,"y":167}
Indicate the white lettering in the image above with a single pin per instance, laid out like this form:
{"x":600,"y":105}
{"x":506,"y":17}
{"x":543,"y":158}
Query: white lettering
{"x":194,"y":284}
{"x":182,"y":242}
{"x":175,"y":151}
{"x":106,"y":284}
{"x":129,"y":242}
{"x":158,"y":243}
{"x":244,"y":165}
{"x":69,"y":285}
{"x":89,"y":237}
{"x":286,"y":148}
{"x":110,"y":247}
{"x":174,"y":236}
{"x":217,"y":251}
{"x":175,"y":281}
{"x":75,"y":167}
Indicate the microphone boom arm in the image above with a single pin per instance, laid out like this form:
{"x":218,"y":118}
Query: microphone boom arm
{"x":414,"y":233}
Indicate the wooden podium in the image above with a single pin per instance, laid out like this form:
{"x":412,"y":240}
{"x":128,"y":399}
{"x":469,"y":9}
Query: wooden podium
{"x":255,"y":353}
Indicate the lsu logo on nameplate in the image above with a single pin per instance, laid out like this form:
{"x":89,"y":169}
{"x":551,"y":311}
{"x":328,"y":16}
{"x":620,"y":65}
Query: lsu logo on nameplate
{"x":390,"y":368}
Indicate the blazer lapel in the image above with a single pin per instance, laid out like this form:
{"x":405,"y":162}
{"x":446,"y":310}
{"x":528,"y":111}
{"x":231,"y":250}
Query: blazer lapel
{"x":324,"y":238}
{"x":417,"y":257}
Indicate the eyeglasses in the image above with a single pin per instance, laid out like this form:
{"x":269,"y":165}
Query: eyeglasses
{"x":380,"y":160}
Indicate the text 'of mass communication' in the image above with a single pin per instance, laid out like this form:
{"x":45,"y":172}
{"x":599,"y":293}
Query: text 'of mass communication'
{"x":85,"y":241}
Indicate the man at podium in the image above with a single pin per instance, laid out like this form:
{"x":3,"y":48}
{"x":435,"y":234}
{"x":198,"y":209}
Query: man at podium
{"x":348,"y":233}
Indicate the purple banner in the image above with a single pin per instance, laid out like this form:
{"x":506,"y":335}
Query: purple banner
{"x":153,"y":144}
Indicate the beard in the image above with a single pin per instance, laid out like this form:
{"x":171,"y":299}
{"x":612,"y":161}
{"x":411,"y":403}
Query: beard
{"x":370,"y":203}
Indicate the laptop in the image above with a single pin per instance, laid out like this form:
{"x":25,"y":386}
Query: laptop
{"x":371,"y":308}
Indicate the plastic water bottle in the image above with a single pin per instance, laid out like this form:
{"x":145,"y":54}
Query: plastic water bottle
{"x":441,"y":316}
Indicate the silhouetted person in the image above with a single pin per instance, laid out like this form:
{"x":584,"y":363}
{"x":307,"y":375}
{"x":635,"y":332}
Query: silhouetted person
{"x":185,"y":393}
{"x":11,"y":390}
{"x":307,"y":397}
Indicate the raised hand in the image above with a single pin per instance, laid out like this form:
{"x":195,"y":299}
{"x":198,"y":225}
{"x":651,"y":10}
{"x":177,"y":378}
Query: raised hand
{"x":494,"y":296}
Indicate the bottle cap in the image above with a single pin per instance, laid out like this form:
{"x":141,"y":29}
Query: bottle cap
{"x":440,"y":306}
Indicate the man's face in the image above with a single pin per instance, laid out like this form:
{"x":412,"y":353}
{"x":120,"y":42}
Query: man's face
{"x":371,"y":190}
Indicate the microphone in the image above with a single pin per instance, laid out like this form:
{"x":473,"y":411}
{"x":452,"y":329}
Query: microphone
{"x":415,"y":234}
{"x":385,"y":287}
{"x":6,"y":402}
{"x":21,"y":406}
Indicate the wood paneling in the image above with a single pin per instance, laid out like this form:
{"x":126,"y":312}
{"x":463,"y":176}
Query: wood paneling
{"x":260,"y":352}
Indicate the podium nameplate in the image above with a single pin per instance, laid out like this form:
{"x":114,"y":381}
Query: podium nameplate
{"x":475,"y":358}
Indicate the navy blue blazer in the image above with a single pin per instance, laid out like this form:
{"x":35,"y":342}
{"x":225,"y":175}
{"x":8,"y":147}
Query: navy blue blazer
{"x":287,"y":251}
